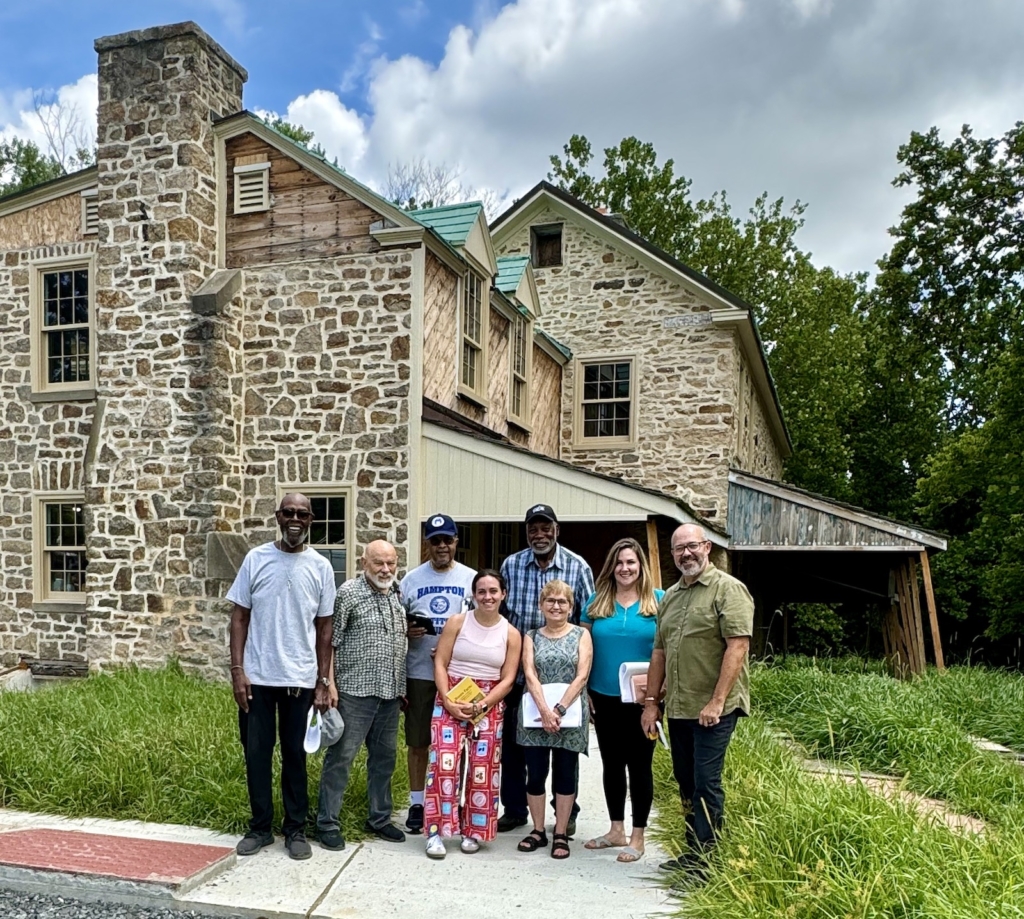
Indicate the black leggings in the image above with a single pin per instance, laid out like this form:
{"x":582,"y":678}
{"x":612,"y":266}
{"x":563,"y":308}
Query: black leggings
{"x":563,"y":780}
{"x":624,"y":746}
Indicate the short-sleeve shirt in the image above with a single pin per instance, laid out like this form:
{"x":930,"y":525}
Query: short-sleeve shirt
{"x":625,"y":637}
{"x":435,"y":595}
{"x":286,"y":592}
{"x":369,"y":640}
{"x":693,"y":624}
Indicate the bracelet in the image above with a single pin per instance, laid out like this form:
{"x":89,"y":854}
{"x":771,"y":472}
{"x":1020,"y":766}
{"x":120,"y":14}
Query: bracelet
{"x":650,"y":698}
{"x":237,"y":667}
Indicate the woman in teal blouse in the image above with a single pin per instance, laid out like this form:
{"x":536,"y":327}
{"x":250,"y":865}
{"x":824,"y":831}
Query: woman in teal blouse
{"x":622,"y":617}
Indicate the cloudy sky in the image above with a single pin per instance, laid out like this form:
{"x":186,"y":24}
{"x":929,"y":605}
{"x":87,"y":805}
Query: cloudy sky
{"x":803,"y":99}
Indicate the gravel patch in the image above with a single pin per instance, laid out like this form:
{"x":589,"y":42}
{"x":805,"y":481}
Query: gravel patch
{"x":15,"y":905}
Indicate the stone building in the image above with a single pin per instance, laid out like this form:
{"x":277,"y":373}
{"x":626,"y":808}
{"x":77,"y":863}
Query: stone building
{"x":213,"y":315}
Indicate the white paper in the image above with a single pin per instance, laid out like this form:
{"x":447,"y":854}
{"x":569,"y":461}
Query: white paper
{"x":626,"y":673}
{"x":553,"y":692}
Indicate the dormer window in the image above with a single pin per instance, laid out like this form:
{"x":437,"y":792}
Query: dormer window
{"x":473,"y":370}
{"x":546,"y":246}
{"x":252,"y":188}
{"x":519,"y":390}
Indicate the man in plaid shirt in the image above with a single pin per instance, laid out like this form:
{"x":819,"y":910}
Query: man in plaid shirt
{"x":526,"y":573}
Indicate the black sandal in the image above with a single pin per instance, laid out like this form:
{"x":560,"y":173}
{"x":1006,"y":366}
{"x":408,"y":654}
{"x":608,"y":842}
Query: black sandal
{"x":537,"y":839}
{"x":560,"y":846}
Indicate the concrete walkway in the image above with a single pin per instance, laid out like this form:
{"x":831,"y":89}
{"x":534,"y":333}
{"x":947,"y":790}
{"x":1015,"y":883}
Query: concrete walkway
{"x":376,"y":878}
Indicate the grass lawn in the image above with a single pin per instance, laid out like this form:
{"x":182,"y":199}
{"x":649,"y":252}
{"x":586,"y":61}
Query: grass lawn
{"x":143,"y":745}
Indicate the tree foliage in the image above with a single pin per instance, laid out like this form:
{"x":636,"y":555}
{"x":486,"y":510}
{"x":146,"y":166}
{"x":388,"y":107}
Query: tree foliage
{"x":23,"y":165}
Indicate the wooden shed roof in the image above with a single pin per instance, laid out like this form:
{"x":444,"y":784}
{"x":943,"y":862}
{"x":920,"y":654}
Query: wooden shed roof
{"x":769,"y":515}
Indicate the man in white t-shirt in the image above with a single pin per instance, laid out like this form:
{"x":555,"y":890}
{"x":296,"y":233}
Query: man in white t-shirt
{"x":280,"y":635}
{"x":434,"y":591}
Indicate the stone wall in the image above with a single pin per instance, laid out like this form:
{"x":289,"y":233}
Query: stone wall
{"x":755,"y":449}
{"x":169,"y":381}
{"x":327,"y":373}
{"x":42,"y":447}
{"x":603,"y":301}
{"x":59,"y":219}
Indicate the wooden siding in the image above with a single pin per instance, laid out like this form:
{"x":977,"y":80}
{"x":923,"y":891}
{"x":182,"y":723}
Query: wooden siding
{"x":307,"y":218}
{"x":56,"y":221}
{"x":546,"y":392}
{"x":440,"y":332}
{"x":757,"y":519}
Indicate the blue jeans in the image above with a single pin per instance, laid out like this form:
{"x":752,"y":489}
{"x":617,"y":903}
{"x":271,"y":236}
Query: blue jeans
{"x":372,"y":721}
{"x":698,"y":755}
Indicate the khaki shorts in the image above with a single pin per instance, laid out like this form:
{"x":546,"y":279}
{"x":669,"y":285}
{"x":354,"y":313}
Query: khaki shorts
{"x":421,"y":695}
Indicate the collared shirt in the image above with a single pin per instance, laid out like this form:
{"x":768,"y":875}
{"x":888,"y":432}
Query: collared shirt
{"x":525,"y":578}
{"x":369,"y":640}
{"x":693,"y":624}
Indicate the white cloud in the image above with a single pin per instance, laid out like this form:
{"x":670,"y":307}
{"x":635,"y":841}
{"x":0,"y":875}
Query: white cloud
{"x":20,"y":118}
{"x":338,"y":129}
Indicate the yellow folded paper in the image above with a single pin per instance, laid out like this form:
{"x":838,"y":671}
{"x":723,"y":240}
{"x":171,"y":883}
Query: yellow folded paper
{"x":466,"y":692}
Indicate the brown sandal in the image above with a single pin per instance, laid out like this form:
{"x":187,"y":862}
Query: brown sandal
{"x":560,"y":846}
{"x":537,"y":839}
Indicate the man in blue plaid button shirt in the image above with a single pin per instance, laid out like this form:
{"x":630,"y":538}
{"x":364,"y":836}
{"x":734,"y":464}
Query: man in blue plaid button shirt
{"x":526,"y":573}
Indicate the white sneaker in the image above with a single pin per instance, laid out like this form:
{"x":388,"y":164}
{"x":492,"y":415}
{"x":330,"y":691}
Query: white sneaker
{"x":470,"y":845}
{"x":435,"y":847}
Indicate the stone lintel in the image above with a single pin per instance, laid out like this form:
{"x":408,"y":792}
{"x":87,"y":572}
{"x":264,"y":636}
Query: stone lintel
{"x":165,"y":33}
{"x":225,"y":553}
{"x":55,"y":606}
{"x":216,"y":292}
{"x":63,"y":395}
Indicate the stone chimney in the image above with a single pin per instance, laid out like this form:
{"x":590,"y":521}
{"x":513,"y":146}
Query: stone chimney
{"x":164,"y":464}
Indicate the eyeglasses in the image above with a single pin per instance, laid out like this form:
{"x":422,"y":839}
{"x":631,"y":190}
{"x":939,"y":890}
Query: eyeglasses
{"x":557,"y":601}
{"x":441,"y":540}
{"x":688,"y":547}
{"x":289,"y":512}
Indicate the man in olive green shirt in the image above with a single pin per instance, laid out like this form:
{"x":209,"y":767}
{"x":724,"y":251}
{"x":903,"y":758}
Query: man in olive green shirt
{"x":700,"y":654}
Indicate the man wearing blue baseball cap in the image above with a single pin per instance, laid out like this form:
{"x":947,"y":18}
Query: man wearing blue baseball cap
{"x":431,"y":593}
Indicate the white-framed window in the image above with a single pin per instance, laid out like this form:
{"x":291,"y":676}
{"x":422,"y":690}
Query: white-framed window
{"x":252,"y":188}
{"x":605,"y":401}
{"x":58,"y":546}
{"x":473,"y":338}
{"x":63,"y":345}
{"x":520,"y":369}
{"x":90,"y":212}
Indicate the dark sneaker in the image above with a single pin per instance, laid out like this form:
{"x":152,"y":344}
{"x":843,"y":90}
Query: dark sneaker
{"x":414,"y":822}
{"x":688,"y":863}
{"x":251,"y":843}
{"x":509,"y":821}
{"x":332,"y":840}
{"x":570,"y":828}
{"x":389,"y":832}
{"x":297,"y":847}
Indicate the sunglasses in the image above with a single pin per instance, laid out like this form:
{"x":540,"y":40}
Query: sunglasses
{"x":442,"y":540}
{"x":289,"y":512}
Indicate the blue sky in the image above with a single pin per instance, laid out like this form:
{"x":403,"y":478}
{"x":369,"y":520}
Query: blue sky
{"x":804,"y":99}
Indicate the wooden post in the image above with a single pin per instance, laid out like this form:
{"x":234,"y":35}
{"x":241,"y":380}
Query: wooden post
{"x":653,"y":555}
{"x":915,"y":611}
{"x":933,"y":619}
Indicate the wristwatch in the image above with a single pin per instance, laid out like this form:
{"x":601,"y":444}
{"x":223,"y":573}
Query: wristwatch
{"x":323,"y":681}
{"x":560,"y":709}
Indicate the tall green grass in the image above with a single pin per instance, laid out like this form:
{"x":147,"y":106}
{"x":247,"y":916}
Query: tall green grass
{"x":915,"y":729}
{"x":144,"y":745}
{"x":805,"y":847}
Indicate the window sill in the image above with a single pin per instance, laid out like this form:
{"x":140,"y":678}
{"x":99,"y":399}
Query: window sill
{"x":597,"y":443}
{"x":63,"y":395}
{"x":59,"y":606}
{"x":519,"y":425}
{"x":470,"y":396}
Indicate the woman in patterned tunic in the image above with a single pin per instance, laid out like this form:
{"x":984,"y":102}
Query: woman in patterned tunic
{"x":559,"y":652}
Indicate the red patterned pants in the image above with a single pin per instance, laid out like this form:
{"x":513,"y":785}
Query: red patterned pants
{"x":464,"y":773}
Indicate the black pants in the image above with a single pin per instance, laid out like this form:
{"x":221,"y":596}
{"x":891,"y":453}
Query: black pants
{"x":564,"y":765}
{"x":513,"y":761}
{"x":698,"y":755}
{"x":288,"y":707}
{"x":624,"y":748}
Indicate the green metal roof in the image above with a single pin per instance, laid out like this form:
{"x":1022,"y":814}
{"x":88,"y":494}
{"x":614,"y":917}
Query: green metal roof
{"x":452,"y":222}
{"x":510,"y":272}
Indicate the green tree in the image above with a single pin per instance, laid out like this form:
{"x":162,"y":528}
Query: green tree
{"x":297,"y":133}
{"x":811,"y":319}
{"x":23,"y":165}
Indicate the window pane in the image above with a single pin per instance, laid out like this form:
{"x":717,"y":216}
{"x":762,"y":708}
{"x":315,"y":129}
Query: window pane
{"x":318,"y":533}
{"x":65,"y":311}
{"x":590,"y":391}
{"x":622,"y":371}
{"x":319,"y":508}
{"x":65,"y":284}
{"x":590,"y":373}
{"x":336,"y":508}
{"x":50,"y":285}
{"x":607,"y":371}
{"x":591,"y":412}
{"x":607,"y":389}
{"x":622,"y":428}
{"x":336,"y":532}
{"x":81,"y":310}
{"x":337,"y":559}
{"x":82,"y":283}
{"x":590,"y":429}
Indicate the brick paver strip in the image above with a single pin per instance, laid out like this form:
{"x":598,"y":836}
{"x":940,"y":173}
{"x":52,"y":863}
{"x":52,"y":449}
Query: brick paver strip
{"x":146,"y":860}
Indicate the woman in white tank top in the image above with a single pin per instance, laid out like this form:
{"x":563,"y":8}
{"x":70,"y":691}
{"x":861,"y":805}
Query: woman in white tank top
{"x":481,"y":645}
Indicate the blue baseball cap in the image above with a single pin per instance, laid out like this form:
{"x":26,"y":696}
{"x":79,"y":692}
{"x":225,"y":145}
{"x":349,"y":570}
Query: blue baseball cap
{"x":439,"y":525}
